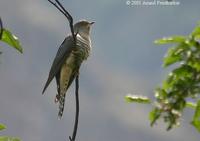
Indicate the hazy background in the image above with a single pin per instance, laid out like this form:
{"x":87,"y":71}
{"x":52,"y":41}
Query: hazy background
{"x":123,"y":60}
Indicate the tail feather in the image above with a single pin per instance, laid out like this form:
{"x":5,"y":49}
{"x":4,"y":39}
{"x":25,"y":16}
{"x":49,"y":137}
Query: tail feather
{"x":61,"y":106}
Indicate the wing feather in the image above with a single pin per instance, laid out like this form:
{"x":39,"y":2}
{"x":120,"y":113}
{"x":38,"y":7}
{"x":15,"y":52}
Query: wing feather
{"x":63,"y":52}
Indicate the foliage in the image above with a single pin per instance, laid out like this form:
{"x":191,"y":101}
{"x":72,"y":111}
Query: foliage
{"x":196,"y":118}
{"x":138,"y":99}
{"x":6,"y":138}
{"x":2,"y":127}
{"x":182,"y":83}
{"x":9,"y":38}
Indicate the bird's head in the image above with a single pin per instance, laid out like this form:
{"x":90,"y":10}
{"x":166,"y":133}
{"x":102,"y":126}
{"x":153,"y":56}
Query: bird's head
{"x":83,"y":27}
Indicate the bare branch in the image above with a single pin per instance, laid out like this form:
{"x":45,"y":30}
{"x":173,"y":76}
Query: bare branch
{"x":57,"y":7}
{"x":67,"y":15}
{"x":1,"y":28}
{"x":77,"y":110}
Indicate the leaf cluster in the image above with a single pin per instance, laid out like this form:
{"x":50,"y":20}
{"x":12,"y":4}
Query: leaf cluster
{"x":182,"y":83}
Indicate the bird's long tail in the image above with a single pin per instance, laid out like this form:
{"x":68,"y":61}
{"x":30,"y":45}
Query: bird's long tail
{"x":61,"y":106}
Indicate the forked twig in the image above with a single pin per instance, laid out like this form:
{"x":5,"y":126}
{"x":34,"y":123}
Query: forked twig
{"x":59,"y":6}
{"x":66,"y":14}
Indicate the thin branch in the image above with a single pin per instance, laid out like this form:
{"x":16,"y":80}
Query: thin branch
{"x":77,"y":110}
{"x":70,"y":19}
{"x":57,"y":7}
{"x":1,"y":28}
{"x":67,"y":15}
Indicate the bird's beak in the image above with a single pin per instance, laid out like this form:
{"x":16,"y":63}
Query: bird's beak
{"x":91,"y":23}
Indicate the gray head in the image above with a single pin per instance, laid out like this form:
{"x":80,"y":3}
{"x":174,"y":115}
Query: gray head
{"x":83,"y":27}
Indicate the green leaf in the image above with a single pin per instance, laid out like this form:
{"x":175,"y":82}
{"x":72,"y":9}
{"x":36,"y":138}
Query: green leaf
{"x":154,"y":115}
{"x":195,"y":64}
{"x":191,"y":105}
{"x":6,"y":138}
{"x":175,"y":54}
{"x":183,"y":71}
{"x":160,"y":94}
{"x":2,"y":127}
{"x":172,"y":56}
{"x":196,"y":118}
{"x":11,"y":40}
{"x":173,"y":39}
{"x":138,"y":99}
{"x":196,"y":32}
{"x":169,"y":60}
{"x":179,"y":76}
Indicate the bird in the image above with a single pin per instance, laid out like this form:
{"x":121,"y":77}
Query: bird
{"x":68,"y":60}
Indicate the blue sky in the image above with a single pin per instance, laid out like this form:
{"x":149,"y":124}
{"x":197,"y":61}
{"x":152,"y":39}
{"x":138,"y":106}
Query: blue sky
{"x":123,"y":60}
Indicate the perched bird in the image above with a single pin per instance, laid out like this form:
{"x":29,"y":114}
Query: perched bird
{"x":68,"y":60}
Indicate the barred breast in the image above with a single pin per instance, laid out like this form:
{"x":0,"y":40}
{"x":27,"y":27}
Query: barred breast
{"x":83,"y":47}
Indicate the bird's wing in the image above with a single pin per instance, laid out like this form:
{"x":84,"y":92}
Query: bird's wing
{"x":63,"y":52}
